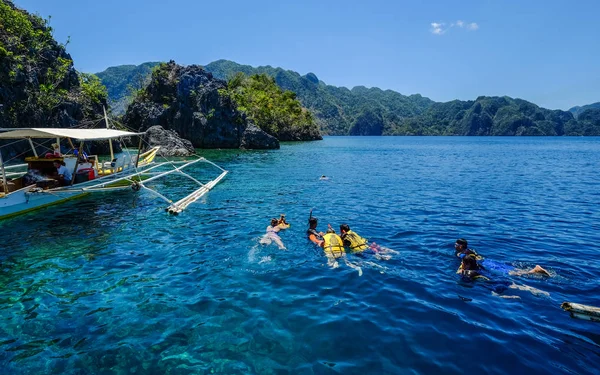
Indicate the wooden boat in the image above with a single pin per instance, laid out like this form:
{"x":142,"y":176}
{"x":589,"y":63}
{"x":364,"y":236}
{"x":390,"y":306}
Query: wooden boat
{"x":35,"y":184}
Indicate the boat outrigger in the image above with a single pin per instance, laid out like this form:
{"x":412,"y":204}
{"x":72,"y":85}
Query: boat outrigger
{"x":36,"y":184}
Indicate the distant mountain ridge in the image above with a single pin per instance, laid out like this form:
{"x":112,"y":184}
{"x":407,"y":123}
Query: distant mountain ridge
{"x":577,"y":110}
{"x":121,"y":82}
{"x":338,"y":110}
{"x":372,"y":111}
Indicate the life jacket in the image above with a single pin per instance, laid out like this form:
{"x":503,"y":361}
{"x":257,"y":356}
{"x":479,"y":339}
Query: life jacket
{"x":333,"y":245}
{"x":357,"y":243}
{"x":313,"y":231}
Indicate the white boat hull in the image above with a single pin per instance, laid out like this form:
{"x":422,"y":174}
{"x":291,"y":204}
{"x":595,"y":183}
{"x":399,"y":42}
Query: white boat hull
{"x":24,"y":200}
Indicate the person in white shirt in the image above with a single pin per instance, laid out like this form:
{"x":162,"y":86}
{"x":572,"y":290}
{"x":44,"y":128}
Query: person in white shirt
{"x":64,"y":175}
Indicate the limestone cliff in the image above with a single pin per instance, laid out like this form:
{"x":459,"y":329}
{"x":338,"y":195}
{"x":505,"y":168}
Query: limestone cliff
{"x":190,"y":101}
{"x":39,"y":86}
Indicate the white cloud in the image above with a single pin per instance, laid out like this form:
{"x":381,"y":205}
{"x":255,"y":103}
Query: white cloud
{"x":438,"y":28}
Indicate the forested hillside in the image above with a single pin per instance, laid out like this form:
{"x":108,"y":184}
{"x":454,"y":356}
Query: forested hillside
{"x":123,"y":82}
{"x":491,"y":116}
{"x":576,"y":111}
{"x":372,"y":111}
{"x":337,"y":110}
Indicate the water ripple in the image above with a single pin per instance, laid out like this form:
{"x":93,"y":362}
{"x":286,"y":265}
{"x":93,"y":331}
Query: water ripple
{"x":126,"y":289}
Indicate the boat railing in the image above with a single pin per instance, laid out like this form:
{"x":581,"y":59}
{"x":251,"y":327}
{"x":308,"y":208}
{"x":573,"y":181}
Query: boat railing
{"x":15,"y":166}
{"x":10,"y":170}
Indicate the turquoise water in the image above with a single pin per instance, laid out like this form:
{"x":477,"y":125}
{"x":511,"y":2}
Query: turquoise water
{"x":110,"y":284}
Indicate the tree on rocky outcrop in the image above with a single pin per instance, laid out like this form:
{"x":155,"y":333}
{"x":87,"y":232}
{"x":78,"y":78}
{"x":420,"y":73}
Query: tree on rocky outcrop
{"x":275,"y":111}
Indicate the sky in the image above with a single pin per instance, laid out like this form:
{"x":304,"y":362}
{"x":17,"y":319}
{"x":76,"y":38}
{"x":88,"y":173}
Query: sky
{"x":542,"y":51}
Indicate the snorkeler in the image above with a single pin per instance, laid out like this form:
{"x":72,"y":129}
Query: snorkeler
{"x":352,"y":240}
{"x":282,"y":223}
{"x":272,"y":236}
{"x":358,"y":244}
{"x":333,"y":245}
{"x":311,"y":232}
{"x":461,"y":250}
{"x":471,"y":270}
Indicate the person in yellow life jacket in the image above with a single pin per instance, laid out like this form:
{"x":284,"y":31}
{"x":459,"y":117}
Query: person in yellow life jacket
{"x":333,"y":245}
{"x":358,"y":244}
{"x":282,"y":223}
{"x":352,"y":240}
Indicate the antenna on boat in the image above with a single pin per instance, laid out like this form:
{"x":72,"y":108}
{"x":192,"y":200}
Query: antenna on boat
{"x":112,"y":154}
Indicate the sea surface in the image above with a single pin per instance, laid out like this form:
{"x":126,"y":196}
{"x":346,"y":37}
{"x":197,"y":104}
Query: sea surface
{"x":111,"y":284}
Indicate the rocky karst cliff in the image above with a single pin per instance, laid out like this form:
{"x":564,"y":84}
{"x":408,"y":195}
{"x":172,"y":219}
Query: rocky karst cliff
{"x":191,"y":102}
{"x":39,"y":86}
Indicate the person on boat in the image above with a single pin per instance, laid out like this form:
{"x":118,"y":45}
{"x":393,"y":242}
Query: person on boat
{"x":55,"y":151}
{"x":282,"y":223}
{"x":462,"y":251}
{"x":84,"y":156}
{"x":64,"y":175}
{"x":312,"y":233}
{"x":272,"y":235}
{"x":471,"y":270}
{"x":323,"y":177}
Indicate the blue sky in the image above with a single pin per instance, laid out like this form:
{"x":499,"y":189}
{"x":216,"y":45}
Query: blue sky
{"x":543,"y":51}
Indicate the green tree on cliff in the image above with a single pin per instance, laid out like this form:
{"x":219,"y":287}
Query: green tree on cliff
{"x":275,"y":111}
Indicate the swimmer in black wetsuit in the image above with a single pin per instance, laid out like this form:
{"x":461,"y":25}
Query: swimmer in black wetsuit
{"x":461,"y":250}
{"x":471,"y":270}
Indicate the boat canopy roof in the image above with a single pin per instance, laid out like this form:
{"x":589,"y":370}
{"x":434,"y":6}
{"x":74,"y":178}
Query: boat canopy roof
{"x":80,"y":134}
